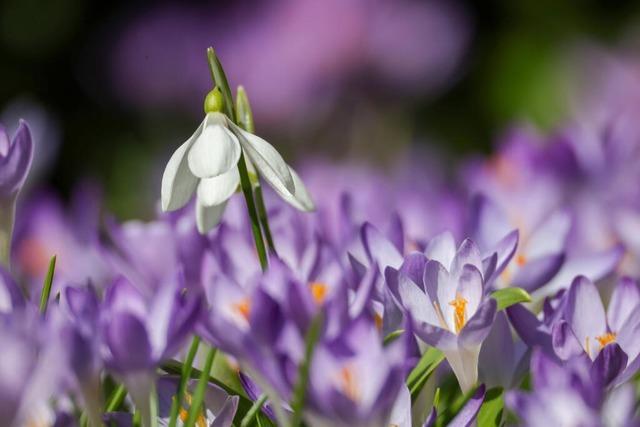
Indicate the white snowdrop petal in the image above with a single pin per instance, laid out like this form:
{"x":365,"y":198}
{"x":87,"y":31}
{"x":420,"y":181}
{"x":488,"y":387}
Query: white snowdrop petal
{"x":216,"y":190}
{"x":207,"y":217}
{"x":214,"y":152}
{"x":266,"y":159}
{"x":178,"y":183}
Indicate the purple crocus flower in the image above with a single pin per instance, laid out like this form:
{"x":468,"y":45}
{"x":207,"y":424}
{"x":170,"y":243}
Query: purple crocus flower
{"x":569,"y":395}
{"x":31,"y":346}
{"x":140,"y":333}
{"x":587,"y":328}
{"x":355,"y":381}
{"x":16,"y":155}
{"x":449,"y":309}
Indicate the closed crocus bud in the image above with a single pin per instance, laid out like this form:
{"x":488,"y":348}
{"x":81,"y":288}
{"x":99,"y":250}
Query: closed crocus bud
{"x":16,"y":155}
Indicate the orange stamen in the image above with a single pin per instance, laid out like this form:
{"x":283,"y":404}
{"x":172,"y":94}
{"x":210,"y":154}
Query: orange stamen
{"x":521,"y":260}
{"x":348,"y":384}
{"x":318,"y":292}
{"x":608,"y":338}
{"x":378,"y":321}
{"x":459,"y":315}
{"x":243,"y":307}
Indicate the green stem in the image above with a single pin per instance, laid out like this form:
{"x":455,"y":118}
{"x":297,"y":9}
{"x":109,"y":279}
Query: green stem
{"x":153,"y":406}
{"x":220,"y":79}
{"x":201,"y":388}
{"x":116,"y":399}
{"x":46,"y":286}
{"x":7,"y":214}
{"x":300,"y":390}
{"x":253,"y":411}
{"x":184,"y":379}
{"x":245,"y":184}
{"x":264,"y":219}
{"x":244,"y":117}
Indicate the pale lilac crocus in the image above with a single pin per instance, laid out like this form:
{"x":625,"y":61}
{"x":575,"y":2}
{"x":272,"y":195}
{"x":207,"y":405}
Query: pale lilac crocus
{"x":587,"y":328}
{"x":16,"y":154}
{"x":450,"y":310}
{"x":140,"y":333}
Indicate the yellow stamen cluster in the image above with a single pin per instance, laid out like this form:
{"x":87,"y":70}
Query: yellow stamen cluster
{"x":459,"y":312}
{"x":318,"y":292}
{"x":608,"y":338}
{"x":184,"y":412}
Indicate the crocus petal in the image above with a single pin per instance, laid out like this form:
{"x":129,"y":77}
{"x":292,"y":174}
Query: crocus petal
{"x":442,"y":248}
{"x":610,"y":363}
{"x":585,"y":313}
{"x":129,"y":343}
{"x":468,"y":253}
{"x":266,"y":160}
{"x":529,"y":328}
{"x":624,"y":300}
{"x":464,"y":364}
{"x":467,"y":415}
{"x":565,"y":343}
{"x":479,"y":325}
{"x":224,"y":418}
{"x":217,"y":190}
{"x":538,"y":272}
{"x":379,"y":249}
{"x":15,"y":166}
{"x":549,"y":237}
{"x":435,"y":336}
{"x":178,"y":183}
{"x":208,"y":217}
{"x":215,"y":151}
{"x":416,"y":301}
{"x":497,"y":356}
{"x":504,"y":249}
{"x":594,"y":266}
{"x":470,"y":288}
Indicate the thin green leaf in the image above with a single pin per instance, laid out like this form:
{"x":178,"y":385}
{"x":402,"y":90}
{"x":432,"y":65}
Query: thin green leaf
{"x":392,"y":337}
{"x":491,"y":412}
{"x":253,"y":411}
{"x":423,"y":370}
{"x":116,"y":399}
{"x":220,"y":78}
{"x":184,"y":379}
{"x":46,"y":287}
{"x":153,"y":406}
{"x":507,"y":297}
{"x":195,"y":409}
{"x":452,"y":409}
{"x":300,"y":390}
{"x":174,"y":367}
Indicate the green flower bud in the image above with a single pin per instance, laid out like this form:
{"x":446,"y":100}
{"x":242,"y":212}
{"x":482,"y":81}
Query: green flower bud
{"x":214,"y":102}
{"x":243,"y":110}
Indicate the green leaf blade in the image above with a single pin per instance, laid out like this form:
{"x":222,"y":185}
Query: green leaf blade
{"x":507,"y":297}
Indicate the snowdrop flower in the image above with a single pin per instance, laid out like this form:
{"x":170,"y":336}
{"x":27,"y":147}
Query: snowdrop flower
{"x":207,"y":165}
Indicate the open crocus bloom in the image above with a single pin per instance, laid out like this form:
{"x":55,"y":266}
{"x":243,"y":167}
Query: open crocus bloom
{"x":450,"y":312}
{"x":207,"y":164}
{"x":594,"y":329}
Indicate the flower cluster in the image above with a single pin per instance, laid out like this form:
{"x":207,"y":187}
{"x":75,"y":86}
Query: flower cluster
{"x":506,"y":295}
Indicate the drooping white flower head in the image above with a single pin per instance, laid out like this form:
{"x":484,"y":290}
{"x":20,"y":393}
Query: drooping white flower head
{"x":207,"y":165}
